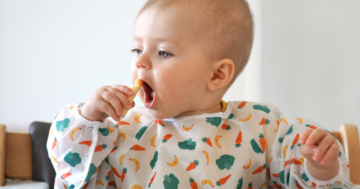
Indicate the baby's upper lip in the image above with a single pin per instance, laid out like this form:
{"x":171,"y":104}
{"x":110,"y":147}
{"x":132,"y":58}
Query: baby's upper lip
{"x":142,"y":76}
{"x":144,"y":80}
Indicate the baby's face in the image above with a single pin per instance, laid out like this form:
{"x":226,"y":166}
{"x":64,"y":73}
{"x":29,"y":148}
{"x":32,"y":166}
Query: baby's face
{"x":171,"y":62}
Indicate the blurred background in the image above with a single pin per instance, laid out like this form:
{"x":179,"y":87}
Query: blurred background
{"x":305,"y":60}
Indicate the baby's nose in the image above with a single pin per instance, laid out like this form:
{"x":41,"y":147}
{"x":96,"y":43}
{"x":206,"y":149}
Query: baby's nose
{"x":138,"y":66}
{"x":143,"y":62}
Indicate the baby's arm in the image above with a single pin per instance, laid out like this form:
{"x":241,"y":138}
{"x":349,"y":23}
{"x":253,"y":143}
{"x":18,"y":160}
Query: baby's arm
{"x":77,"y":147}
{"x":81,"y":138}
{"x":289,"y":160}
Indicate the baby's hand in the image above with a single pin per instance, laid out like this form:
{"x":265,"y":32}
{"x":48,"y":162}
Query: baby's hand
{"x":107,"y":101}
{"x":319,"y":147}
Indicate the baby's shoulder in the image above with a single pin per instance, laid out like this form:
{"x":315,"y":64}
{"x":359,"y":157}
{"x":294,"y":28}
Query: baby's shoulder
{"x":247,"y":109}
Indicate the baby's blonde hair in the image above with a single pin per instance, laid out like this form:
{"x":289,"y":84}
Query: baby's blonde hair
{"x":229,"y":23}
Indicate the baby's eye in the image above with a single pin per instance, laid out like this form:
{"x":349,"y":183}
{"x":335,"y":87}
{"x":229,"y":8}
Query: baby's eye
{"x":164,"y":54}
{"x":137,"y":51}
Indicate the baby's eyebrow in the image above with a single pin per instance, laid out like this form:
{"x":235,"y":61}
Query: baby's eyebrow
{"x":159,"y":39}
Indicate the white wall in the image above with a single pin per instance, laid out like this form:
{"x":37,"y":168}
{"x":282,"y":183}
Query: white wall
{"x":56,"y":52}
{"x":311,"y":59}
{"x":305,"y":58}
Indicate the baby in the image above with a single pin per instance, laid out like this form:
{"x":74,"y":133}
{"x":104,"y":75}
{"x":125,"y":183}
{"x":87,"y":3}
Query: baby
{"x":187,"y":55}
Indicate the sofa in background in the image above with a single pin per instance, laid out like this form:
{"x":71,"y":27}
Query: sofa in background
{"x":24,"y":156}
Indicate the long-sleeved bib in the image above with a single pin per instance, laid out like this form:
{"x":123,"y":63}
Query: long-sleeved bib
{"x":247,"y":145}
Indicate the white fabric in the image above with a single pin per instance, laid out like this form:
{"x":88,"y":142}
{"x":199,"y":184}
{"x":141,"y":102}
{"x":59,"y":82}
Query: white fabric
{"x":208,"y":150}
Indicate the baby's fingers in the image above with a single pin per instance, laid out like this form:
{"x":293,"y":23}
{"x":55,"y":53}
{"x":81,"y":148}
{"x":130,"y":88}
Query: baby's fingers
{"x":308,"y":151}
{"x":117,"y":100}
{"x":108,"y":109}
{"x":316,"y":136}
{"x":122,"y":96}
{"x":304,"y":136}
{"x":124,"y":89}
{"x":332,"y":153}
{"x":324,"y":145}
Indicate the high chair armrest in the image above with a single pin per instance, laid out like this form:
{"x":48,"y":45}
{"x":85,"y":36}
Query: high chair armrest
{"x":350,"y":140}
{"x":2,"y":154}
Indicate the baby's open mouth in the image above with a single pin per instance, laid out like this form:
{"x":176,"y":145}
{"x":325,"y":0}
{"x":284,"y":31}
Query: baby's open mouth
{"x":149,"y":96}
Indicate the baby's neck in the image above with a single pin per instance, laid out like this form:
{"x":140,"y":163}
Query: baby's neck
{"x":217,"y":108}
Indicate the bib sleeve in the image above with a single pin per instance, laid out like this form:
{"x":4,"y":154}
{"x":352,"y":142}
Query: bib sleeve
{"x":78,"y":149}
{"x":286,"y":163}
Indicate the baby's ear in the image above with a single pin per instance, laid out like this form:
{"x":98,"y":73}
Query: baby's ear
{"x":223,"y":72}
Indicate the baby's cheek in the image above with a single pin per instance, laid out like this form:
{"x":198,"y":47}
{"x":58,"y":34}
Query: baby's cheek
{"x":172,"y":92}
{"x":133,"y":73}
{"x":175,"y":84}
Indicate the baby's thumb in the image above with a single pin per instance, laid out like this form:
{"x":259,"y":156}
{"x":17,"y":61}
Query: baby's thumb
{"x":308,"y":150}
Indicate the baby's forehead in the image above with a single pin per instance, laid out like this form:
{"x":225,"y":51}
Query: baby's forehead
{"x":174,"y":19}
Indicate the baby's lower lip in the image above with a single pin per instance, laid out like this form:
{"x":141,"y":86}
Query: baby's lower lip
{"x":148,"y":102}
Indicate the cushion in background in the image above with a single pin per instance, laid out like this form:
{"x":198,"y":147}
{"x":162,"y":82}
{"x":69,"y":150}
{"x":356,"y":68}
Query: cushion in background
{"x":24,"y":184}
{"x":43,"y":170}
{"x":18,"y":164}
